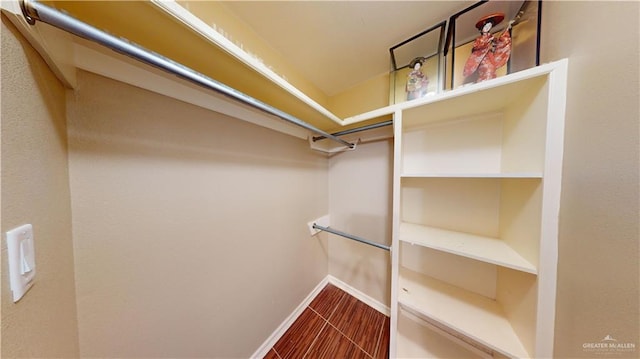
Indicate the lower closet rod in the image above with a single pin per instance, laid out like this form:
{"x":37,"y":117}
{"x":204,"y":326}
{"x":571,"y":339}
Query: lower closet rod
{"x":350,"y":236}
{"x":33,"y":10}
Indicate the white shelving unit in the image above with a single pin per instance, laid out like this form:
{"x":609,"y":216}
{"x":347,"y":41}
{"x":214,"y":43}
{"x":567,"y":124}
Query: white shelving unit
{"x":477,"y":179}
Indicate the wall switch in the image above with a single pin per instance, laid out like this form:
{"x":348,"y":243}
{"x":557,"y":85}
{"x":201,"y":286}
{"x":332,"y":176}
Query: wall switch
{"x":22,"y":260}
{"x":322,"y":221}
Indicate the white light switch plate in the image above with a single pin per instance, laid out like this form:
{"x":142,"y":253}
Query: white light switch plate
{"x":322,"y":221}
{"x":22,"y":260}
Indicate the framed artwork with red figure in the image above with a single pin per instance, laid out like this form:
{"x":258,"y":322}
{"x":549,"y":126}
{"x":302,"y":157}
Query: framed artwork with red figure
{"x":490,"y":39}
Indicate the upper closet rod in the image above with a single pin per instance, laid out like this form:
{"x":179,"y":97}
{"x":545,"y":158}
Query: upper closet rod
{"x":359,"y":129}
{"x":33,"y":10}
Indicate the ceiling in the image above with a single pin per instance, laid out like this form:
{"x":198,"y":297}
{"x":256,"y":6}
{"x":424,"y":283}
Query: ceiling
{"x":339,"y":44}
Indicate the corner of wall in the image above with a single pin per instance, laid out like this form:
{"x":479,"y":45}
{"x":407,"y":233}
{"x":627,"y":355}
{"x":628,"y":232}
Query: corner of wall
{"x":360,"y":185}
{"x":35,"y":189}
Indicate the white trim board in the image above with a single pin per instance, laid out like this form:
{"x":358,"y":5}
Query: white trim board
{"x":384,"y":309}
{"x":263,"y":350}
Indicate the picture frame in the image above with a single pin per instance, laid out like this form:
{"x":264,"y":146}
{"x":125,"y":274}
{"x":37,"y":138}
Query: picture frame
{"x":462,"y":33}
{"x":425,"y":48}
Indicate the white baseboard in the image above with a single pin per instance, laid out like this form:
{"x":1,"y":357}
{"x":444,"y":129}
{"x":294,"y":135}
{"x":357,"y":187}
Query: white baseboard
{"x":360,"y":295}
{"x":282,"y":328}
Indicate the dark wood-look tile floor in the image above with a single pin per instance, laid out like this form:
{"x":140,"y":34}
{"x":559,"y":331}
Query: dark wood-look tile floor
{"x":335,"y":325}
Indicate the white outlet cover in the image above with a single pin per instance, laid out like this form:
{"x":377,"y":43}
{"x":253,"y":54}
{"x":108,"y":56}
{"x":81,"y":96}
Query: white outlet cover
{"x":22,"y":260}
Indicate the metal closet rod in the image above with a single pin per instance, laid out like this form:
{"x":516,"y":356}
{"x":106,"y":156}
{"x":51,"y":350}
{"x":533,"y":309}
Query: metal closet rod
{"x":33,"y":10}
{"x":350,"y":236}
{"x":359,"y":129}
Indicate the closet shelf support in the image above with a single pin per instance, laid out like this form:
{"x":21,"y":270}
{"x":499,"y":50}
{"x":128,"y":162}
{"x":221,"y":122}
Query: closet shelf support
{"x":350,"y":236}
{"x":34,"y":11}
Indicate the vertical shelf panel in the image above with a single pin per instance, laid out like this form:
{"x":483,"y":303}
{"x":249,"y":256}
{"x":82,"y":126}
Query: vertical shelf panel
{"x":520,"y":217}
{"x":459,"y":204}
{"x":451,"y":268}
{"x":395,"y":229}
{"x":459,"y":146}
{"x":517,"y":293}
{"x":524,"y":131}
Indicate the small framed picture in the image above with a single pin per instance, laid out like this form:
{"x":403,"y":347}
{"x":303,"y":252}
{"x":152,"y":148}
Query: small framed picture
{"x":417,"y":65}
{"x":490,"y":39}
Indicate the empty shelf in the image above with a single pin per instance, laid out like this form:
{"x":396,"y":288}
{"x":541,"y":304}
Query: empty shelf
{"x":486,"y":249}
{"x":479,"y":318}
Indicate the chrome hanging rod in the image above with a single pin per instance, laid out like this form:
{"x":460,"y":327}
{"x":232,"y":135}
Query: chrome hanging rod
{"x":33,"y":10}
{"x":350,"y":236}
{"x":354,"y":130}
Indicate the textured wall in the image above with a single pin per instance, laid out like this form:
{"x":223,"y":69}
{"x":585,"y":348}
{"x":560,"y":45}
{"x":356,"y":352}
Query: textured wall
{"x":598,"y":271}
{"x":35,"y":189}
{"x":189,"y":227}
{"x":360,"y":184}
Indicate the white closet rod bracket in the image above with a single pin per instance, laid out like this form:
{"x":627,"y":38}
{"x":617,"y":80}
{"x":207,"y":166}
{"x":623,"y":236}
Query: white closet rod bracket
{"x":34,"y":11}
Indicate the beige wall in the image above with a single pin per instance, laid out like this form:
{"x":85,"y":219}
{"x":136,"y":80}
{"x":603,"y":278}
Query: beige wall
{"x":360,"y":184}
{"x":366,"y":96}
{"x":35,"y":189}
{"x":598,"y":245}
{"x":190,"y":228}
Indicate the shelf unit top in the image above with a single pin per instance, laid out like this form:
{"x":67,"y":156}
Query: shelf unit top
{"x":479,"y":318}
{"x":484,"y":249}
{"x":521,"y":80}
{"x":491,"y":100}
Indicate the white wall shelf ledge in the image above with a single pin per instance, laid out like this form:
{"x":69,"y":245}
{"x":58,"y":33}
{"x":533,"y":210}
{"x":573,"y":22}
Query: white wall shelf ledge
{"x":477,"y":317}
{"x":472,"y":175}
{"x":485,"y":249}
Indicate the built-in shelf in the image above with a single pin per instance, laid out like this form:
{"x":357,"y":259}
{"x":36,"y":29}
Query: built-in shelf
{"x":477,"y":317}
{"x":485,"y":249}
{"x":472,"y":175}
{"x":477,"y":174}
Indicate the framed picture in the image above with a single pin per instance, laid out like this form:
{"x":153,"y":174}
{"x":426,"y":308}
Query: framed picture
{"x":490,"y":39}
{"x":417,"y":65}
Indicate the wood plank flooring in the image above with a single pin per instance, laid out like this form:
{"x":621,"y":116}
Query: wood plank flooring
{"x":335,"y":325}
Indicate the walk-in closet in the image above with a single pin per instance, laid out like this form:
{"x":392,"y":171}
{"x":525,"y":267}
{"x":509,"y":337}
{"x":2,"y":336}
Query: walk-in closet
{"x":313,"y":179}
